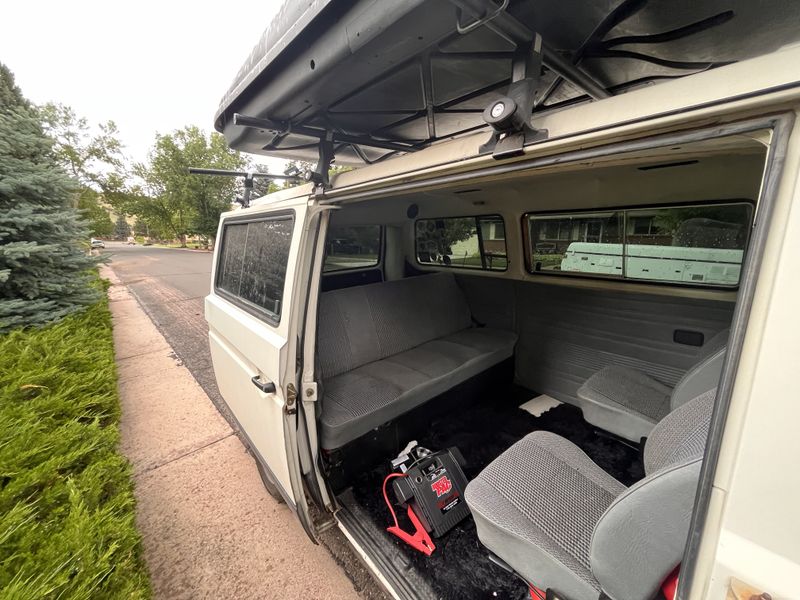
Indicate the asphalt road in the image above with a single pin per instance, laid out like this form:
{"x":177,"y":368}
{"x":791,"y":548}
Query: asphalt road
{"x":170,"y":285}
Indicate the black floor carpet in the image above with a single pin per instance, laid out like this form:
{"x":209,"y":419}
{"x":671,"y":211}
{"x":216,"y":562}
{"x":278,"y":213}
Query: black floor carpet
{"x":459,"y":568}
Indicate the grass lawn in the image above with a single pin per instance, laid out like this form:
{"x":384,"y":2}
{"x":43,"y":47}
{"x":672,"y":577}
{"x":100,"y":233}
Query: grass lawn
{"x":66,"y":499}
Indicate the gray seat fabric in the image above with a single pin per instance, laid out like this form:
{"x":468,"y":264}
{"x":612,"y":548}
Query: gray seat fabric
{"x":629,"y":402}
{"x":536,"y":505}
{"x":389,"y":347}
{"x":562,"y":522}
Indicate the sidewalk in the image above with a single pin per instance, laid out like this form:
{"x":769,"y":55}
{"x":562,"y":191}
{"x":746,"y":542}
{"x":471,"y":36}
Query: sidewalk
{"x":210,"y":529}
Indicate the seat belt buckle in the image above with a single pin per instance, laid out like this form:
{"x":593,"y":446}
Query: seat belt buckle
{"x":420,"y":540}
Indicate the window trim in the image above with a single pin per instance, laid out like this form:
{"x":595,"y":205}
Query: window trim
{"x":250,"y":307}
{"x":481,"y":249}
{"x":528,"y":254}
{"x":381,"y":253}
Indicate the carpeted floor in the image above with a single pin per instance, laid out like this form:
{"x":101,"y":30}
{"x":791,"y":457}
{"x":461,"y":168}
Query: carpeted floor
{"x":459,"y":568}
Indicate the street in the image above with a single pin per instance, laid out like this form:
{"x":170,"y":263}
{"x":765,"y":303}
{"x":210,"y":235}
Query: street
{"x":170,"y":285}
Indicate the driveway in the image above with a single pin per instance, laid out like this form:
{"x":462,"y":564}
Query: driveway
{"x":170,"y":285}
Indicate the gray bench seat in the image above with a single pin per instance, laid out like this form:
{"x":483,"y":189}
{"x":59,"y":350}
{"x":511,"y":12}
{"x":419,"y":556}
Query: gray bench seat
{"x":389,"y":347}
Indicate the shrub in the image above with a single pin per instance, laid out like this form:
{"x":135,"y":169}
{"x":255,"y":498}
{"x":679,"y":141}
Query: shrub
{"x":66,"y":501}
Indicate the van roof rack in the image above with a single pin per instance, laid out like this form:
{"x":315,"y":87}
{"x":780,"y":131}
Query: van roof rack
{"x":374,"y":79}
{"x":248,"y":176}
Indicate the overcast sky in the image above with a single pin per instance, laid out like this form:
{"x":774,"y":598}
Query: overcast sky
{"x":150,"y":65}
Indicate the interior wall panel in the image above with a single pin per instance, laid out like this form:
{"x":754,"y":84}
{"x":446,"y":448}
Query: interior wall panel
{"x":567,"y":333}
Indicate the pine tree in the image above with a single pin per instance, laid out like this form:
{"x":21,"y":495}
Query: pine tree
{"x":44,"y":273}
{"x":121,"y":228}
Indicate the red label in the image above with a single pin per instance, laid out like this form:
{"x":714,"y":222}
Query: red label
{"x":441,"y":486}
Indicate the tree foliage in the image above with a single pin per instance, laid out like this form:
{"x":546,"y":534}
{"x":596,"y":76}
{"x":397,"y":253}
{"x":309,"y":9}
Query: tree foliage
{"x":261,"y":186}
{"x":121,"y":228}
{"x":98,"y":218}
{"x":89,"y":157}
{"x":175,"y":202}
{"x":44,"y":272}
{"x":93,"y":158}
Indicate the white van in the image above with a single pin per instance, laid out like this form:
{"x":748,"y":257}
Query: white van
{"x":657,"y":262}
{"x":411,"y":357}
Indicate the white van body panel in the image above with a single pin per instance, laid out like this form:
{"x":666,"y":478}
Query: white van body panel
{"x":244,"y":346}
{"x":233,"y":371}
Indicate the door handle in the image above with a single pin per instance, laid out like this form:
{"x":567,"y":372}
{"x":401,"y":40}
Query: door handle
{"x":266,"y":387}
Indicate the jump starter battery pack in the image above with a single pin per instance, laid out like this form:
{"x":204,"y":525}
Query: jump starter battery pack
{"x":434,"y":488}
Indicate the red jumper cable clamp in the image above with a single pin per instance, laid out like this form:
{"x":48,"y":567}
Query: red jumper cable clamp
{"x":420,"y":540}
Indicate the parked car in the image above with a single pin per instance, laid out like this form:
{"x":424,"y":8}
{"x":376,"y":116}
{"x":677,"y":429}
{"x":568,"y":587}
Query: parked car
{"x":606,"y":408}
{"x":95,"y":243}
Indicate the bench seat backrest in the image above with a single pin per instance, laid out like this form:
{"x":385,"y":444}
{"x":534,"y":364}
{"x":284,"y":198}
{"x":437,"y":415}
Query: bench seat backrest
{"x":359,"y":325}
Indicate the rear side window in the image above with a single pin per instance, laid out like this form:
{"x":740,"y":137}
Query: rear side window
{"x":462,"y":242}
{"x":352,"y":248}
{"x":701,"y":245}
{"x":252,"y":264}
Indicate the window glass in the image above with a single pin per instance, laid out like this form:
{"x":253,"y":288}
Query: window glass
{"x":695,"y":244}
{"x":465,"y":242}
{"x":352,"y":248}
{"x":253,"y":260}
{"x":686,"y":244}
{"x":585,"y":243}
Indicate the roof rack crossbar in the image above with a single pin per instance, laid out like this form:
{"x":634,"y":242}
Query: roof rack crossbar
{"x":510,"y":28}
{"x":249,"y":176}
{"x":321,"y":134}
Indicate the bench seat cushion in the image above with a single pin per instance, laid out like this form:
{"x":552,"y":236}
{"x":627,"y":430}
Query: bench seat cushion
{"x":359,"y":400}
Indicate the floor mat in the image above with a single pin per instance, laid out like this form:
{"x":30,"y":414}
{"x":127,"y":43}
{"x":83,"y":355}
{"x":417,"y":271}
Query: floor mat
{"x":459,"y":568}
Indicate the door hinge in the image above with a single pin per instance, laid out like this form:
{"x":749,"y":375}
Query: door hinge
{"x":291,"y":400}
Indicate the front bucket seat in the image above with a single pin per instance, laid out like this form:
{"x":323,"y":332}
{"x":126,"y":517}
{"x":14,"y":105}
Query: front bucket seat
{"x":562,"y":522}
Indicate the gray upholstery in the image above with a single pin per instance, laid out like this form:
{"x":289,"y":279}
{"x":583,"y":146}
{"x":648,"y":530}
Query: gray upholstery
{"x":640,"y":539}
{"x":535,"y":507}
{"x":389,"y":347}
{"x":705,"y":374}
{"x":624,"y":401}
{"x":362,"y":324}
{"x":629,"y":402}
{"x":563,"y":523}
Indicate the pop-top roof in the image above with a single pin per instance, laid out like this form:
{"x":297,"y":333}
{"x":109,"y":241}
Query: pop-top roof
{"x":380,"y":77}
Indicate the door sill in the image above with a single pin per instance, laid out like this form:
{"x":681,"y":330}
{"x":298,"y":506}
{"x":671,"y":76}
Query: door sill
{"x":388,"y":564}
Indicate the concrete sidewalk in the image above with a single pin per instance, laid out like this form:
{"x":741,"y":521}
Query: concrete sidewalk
{"x":210,"y":529}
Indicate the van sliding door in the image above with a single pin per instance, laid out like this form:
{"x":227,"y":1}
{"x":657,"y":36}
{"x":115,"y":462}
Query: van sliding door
{"x":251,"y":320}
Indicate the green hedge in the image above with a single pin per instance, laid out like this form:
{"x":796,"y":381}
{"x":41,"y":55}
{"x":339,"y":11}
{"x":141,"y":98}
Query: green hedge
{"x":66,"y":499}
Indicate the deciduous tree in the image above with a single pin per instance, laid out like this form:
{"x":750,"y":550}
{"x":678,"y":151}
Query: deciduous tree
{"x":93,"y":157}
{"x":96,"y":215}
{"x":89,"y":156}
{"x":177,"y":201}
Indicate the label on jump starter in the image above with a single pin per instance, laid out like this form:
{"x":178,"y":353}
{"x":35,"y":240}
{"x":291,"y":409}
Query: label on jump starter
{"x":443,"y":487}
{"x":450,"y":503}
